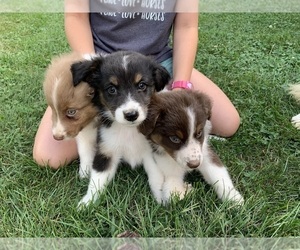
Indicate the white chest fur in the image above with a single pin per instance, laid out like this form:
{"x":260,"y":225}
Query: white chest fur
{"x":124,"y":142}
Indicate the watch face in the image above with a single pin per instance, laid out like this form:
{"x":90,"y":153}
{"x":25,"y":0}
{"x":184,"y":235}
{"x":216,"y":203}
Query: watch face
{"x":189,"y":85}
{"x":182,"y":84}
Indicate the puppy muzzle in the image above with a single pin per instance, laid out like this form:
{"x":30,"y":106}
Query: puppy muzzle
{"x":131,"y":115}
{"x":59,"y":137}
{"x":193,"y":164}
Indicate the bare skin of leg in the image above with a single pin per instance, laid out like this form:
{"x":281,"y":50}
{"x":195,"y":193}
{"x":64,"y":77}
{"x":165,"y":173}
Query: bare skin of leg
{"x":225,"y":119}
{"x":49,"y":152}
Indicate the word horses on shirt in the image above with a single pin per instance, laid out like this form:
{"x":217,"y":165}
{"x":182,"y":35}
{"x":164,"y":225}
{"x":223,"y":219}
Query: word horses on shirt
{"x":144,"y":9}
{"x":153,"y":16}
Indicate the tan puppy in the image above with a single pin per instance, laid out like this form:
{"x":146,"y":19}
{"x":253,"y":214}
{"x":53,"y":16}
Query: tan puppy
{"x":73,"y":112}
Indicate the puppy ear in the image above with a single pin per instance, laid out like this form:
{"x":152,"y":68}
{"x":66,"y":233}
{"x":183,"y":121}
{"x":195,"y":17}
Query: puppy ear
{"x":161,"y":76}
{"x":85,"y":70}
{"x":90,"y":92}
{"x":206,"y":103}
{"x":154,"y":111}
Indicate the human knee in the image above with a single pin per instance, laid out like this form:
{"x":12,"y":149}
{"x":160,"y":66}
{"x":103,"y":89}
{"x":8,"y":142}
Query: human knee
{"x":43,"y":159}
{"x":227,"y":127}
{"x":232,"y":124}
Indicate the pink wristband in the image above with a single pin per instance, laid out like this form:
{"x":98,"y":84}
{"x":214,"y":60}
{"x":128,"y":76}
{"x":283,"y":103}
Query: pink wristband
{"x":182,"y":85}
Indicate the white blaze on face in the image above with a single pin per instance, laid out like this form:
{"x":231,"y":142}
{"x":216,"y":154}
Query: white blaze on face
{"x":130,"y":113}
{"x":125,"y":62}
{"x":192,"y":151}
{"x":58,"y":129}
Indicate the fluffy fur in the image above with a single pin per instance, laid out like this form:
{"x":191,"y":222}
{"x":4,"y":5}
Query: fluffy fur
{"x":73,"y":113}
{"x":178,"y":126}
{"x":295,"y":92}
{"x":125,"y":82}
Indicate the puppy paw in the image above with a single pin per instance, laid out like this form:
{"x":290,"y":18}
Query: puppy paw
{"x":182,"y":192}
{"x":188,"y":187}
{"x":85,"y":202}
{"x":159,"y":199}
{"x":296,"y":121}
{"x":83,"y":173}
{"x":84,"y":169}
{"x":178,"y":191}
{"x":235,"y":197}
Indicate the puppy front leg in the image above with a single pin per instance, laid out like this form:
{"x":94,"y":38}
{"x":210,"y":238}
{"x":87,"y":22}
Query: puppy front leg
{"x":218,"y":176}
{"x":155,"y":178}
{"x":174,"y":184}
{"x":100,"y":176}
{"x":86,"y":145}
{"x":166,"y":178}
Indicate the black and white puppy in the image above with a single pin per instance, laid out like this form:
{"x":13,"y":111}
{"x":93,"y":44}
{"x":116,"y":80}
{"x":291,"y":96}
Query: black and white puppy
{"x":178,"y":126}
{"x":124,"y":83}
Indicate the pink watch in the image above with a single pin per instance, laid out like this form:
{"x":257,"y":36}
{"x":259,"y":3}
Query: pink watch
{"x":182,"y":85}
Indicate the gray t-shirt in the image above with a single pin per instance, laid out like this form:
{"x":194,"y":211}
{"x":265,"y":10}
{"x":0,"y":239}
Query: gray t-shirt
{"x":144,"y":27}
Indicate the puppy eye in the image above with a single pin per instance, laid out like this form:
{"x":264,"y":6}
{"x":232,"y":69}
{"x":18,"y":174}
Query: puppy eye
{"x":199,"y":135}
{"x":71,"y":113}
{"x":112,"y":90}
{"x":175,"y":139}
{"x":142,"y":86}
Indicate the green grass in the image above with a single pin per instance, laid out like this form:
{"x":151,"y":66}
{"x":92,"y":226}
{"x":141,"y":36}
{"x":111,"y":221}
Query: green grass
{"x":252,"y":57}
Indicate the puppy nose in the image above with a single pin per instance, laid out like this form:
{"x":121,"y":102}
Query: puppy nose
{"x":193,"y":164}
{"x":58,"y":137}
{"x":131,"y":115}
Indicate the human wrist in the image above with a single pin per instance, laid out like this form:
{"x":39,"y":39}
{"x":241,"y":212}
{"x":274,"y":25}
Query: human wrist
{"x":181,"y":84}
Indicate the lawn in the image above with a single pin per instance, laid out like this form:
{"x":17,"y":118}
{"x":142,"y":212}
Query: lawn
{"x":252,"y":57}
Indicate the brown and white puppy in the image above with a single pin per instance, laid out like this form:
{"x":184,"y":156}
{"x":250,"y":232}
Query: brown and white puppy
{"x":295,"y":92}
{"x":73,"y":113}
{"x":125,"y":82}
{"x":178,"y":126}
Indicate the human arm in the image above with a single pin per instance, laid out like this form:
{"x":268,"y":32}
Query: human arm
{"x":185,"y":40}
{"x":77,"y":26}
